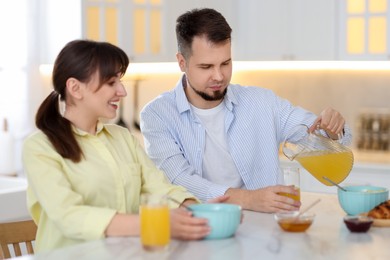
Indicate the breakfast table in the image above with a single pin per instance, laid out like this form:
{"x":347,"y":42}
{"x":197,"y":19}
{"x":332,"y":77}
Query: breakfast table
{"x":258,"y":237}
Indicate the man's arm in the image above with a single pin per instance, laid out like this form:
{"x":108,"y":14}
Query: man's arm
{"x":163,"y":148}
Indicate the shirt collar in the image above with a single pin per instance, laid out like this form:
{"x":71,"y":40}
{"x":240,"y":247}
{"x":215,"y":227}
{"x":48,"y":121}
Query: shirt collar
{"x":230,"y":98}
{"x":181,"y":98}
{"x":99,"y":128}
{"x":183,"y":104}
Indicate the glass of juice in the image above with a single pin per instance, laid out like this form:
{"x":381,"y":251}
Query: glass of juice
{"x":291,"y":177}
{"x":155,"y":223}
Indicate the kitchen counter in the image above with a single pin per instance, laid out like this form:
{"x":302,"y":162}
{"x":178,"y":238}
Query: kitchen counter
{"x":374,"y":158}
{"x":257,"y":237}
{"x":13,"y":205}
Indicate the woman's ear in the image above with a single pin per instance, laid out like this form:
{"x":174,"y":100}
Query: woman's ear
{"x":181,"y":60}
{"x":74,"y":88}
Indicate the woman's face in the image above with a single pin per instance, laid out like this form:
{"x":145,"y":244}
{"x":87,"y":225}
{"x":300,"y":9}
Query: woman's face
{"x":104,"y":101}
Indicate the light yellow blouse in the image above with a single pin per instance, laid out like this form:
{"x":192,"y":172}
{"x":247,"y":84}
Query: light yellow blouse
{"x":75,"y":202}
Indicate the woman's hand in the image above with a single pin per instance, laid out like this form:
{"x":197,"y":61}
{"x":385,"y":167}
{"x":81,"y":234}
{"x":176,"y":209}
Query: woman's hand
{"x":184,"y":226}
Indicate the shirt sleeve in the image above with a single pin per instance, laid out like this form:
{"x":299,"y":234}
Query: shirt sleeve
{"x":291,"y":116}
{"x":174,"y":142}
{"x":347,"y":136}
{"x":50,"y":193}
{"x":165,"y":151}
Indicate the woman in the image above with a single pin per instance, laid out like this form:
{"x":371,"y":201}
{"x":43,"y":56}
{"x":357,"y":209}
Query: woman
{"x":85,"y":178}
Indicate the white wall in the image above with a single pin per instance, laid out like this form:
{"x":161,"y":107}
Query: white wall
{"x":40,"y":28}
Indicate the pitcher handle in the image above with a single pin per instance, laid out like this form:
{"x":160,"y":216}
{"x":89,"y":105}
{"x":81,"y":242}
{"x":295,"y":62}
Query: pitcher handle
{"x":340,"y":136}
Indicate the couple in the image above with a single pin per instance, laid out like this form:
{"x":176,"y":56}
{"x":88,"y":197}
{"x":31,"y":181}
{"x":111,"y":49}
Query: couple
{"x":219,"y":141}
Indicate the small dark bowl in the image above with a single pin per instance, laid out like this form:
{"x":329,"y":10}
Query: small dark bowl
{"x":358,"y":224}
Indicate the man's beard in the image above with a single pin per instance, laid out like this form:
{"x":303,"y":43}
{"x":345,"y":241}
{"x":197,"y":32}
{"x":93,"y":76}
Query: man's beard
{"x":217,"y":95}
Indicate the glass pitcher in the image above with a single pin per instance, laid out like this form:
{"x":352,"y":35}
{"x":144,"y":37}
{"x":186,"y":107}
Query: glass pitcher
{"x":327,"y":160}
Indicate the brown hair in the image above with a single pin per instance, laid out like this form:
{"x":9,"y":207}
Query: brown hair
{"x":201,"y":22}
{"x":79,"y":59}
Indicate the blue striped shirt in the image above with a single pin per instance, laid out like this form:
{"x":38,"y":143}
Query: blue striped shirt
{"x":256,"y":123}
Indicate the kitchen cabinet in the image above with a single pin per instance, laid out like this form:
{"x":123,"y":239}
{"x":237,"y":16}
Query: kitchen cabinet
{"x":364,"y":30}
{"x":262,"y":30}
{"x":145,"y":29}
{"x":173,"y":9}
{"x":286,"y":30}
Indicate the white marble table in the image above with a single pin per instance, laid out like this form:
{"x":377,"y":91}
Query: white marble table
{"x":258,"y":237}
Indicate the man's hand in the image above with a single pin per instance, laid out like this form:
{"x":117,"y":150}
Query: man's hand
{"x":265,"y":199}
{"x":331,"y":121}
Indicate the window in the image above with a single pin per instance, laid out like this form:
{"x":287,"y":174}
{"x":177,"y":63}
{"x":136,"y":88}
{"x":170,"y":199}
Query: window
{"x":147,"y":31}
{"x":134,"y":25}
{"x":32,"y":32}
{"x":13,"y":63}
{"x":102,"y":20}
{"x":365,"y":24}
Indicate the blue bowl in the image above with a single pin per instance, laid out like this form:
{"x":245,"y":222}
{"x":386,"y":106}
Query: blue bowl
{"x":223,"y":218}
{"x":360,"y":199}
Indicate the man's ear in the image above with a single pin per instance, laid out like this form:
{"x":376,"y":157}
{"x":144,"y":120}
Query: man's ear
{"x":74,"y":88}
{"x":181,"y":60}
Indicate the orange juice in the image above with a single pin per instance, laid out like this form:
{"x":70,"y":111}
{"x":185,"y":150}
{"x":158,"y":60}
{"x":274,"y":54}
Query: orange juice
{"x":294,"y":197}
{"x":335,"y":166}
{"x":294,"y":225}
{"x":155,"y":227}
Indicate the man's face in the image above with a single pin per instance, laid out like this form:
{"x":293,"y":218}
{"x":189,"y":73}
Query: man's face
{"x":208,"y":70}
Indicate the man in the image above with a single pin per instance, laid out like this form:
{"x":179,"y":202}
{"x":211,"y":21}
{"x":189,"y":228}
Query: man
{"x":216,"y":138}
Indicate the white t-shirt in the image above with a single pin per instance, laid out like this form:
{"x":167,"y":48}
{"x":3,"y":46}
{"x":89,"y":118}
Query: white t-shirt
{"x":218,"y":165}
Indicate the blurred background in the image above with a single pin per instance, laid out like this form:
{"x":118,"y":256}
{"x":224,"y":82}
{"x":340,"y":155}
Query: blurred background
{"x":316,"y":53}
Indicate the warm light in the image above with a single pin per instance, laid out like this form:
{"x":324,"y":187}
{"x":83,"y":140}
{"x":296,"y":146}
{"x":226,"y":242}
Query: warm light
{"x":134,"y":69}
{"x":112,"y":26}
{"x":93,"y":16}
{"x":356,"y":6}
{"x":377,"y":42}
{"x":153,"y":68}
{"x":310,"y":65}
{"x":377,"y":6}
{"x":139,"y":29}
{"x":46,"y":69}
{"x":143,"y":69}
{"x":155,"y":31}
{"x":355,"y":35}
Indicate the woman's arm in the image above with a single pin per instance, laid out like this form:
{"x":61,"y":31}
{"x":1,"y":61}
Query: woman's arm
{"x":123,"y":225}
